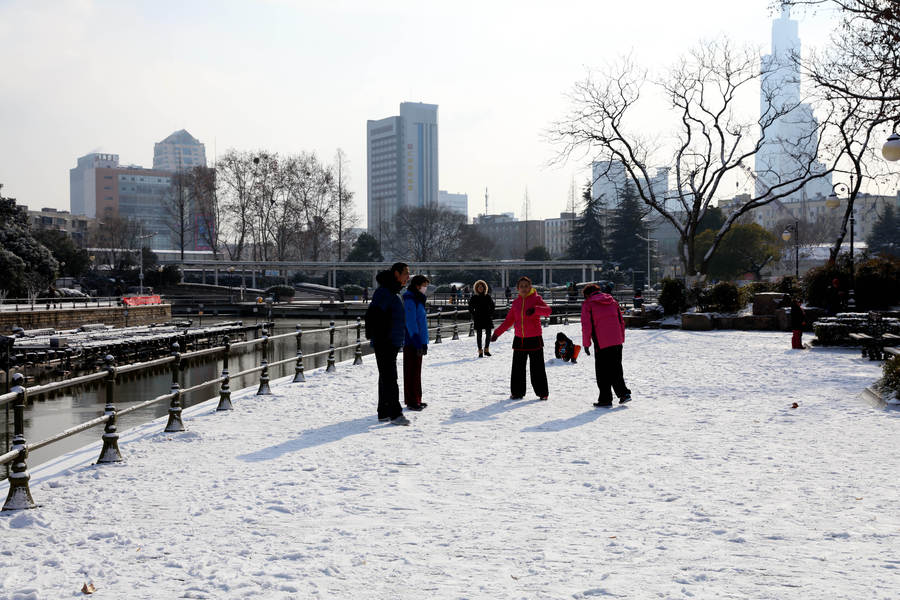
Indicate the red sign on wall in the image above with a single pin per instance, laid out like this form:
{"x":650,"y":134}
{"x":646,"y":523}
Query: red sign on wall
{"x":140,"y":300}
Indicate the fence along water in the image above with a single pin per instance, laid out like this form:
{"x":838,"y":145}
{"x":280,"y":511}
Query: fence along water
{"x":19,"y":496}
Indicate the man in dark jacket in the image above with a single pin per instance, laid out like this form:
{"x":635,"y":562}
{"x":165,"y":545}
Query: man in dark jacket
{"x":389,"y":320}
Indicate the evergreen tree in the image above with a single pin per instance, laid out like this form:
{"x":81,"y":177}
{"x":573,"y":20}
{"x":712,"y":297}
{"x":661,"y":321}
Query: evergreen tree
{"x":73,"y":261}
{"x":365,"y":249}
{"x":624,"y":245}
{"x":588,"y":238}
{"x":885,"y":236}
{"x":744,"y":249}
{"x":538,"y":253}
{"x":713,"y":219}
{"x":25,"y":264}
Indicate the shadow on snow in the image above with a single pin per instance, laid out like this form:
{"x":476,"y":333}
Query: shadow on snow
{"x":577,"y":421}
{"x":488,"y":412}
{"x":313,"y":437}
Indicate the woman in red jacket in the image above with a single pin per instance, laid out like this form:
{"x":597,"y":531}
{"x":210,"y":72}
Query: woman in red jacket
{"x":526,"y":312}
{"x":602,"y":324}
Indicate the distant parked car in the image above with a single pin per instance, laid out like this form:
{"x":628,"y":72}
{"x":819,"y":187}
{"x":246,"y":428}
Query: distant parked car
{"x":71,"y":293}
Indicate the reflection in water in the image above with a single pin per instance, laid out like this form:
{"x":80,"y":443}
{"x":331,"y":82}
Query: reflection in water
{"x":46,"y":417}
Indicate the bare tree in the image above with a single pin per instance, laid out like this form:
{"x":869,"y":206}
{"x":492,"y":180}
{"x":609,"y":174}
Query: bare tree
{"x":864,"y":47}
{"x":340,"y":159}
{"x":282,"y":219}
{"x":119,"y":236}
{"x":313,"y":190}
{"x":179,"y":211}
{"x":427,"y":233}
{"x":858,"y":77}
{"x":209,"y":210}
{"x":234,"y":175}
{"x":267,"y":190}
{"x":473,"y":245}
{"x":711,"y":143}
{"x":283,"y":207}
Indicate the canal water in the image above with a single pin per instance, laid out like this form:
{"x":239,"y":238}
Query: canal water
{"x":46,"y":417}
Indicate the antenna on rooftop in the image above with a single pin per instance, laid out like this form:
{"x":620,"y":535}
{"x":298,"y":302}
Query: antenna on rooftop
{"x":485,"y":201}
{"x":572,"y":196}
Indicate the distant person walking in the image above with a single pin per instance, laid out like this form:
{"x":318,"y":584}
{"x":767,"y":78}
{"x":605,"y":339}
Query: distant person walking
{"x":798,"y":320}
{"x":366,"y":295}
{"x":602,"y":324}
{"x":834,"y":298}
{"x":528,"y":344}
{"x":481,"y":308}
{"x":508,"y":295}
{"x":386,"y":327}
{"x":416,"y":343}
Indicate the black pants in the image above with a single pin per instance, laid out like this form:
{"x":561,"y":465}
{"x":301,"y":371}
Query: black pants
{"x":538,"y":373}
{"x":608,"y":366}
{"x":388,"y":390}
{"x":412,"y":376}
{"x":487,"y":338}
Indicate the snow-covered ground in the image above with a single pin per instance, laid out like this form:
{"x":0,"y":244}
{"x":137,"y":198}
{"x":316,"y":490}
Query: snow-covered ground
{"x":708,"y":485}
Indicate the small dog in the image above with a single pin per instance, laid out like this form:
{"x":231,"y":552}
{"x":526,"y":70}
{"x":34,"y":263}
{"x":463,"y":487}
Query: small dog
{"x":566,"y":348}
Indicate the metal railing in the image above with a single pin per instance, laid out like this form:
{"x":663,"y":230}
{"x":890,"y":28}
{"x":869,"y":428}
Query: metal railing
{"x":30,"y":304}
{"x":19,"y":496}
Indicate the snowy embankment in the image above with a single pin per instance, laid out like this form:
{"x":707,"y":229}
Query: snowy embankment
{"x":709,"y":485}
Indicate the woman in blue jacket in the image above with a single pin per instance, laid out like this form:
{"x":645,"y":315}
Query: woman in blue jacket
{"x":416,"y":344}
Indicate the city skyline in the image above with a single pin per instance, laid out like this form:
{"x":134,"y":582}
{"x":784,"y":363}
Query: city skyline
{"x":80,"y":81}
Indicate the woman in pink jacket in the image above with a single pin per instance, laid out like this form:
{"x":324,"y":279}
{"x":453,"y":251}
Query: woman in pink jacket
{"x":526,"y":312}
{"x":602,"y":324}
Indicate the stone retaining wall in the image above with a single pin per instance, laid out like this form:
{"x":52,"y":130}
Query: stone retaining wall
{"x":71,"y":318}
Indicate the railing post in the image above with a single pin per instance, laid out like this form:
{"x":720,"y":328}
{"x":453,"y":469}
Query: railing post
{"x":437,"y":338}
{"x":330,"y":368}
{"x":175,"y":423}
{"x":110,"y":452}
{"x":357,"y":357}
{"x":455,"y":325}
{"x":225,"y":390}
{"x":19,"y":497}
{"x":264,"y":389}
{"x":299,"y":377}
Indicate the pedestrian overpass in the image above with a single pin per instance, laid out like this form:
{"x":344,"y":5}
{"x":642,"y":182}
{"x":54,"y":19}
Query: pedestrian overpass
{"x":210,"y":270}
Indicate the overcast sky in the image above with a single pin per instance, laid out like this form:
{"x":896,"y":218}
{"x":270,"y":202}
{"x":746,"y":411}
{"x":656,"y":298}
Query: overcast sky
{"x":117,"y":76}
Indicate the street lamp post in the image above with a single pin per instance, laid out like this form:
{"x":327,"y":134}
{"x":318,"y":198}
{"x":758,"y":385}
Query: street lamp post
{"x":891,"y":149}
{"x":649,"y":241}
{"x":834,"y":201}
{"x":795,"y":229}
{"x":141,"y":238}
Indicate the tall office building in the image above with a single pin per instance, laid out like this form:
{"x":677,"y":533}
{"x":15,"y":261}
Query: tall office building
{"x":458,"y":203}
{"x":99,"y":188}
{"x":84,"y":183}
{"x":791,"y":140}
{"x":402,"y":163}
{"x":608,"y":179}
{"x":178,"y":152}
